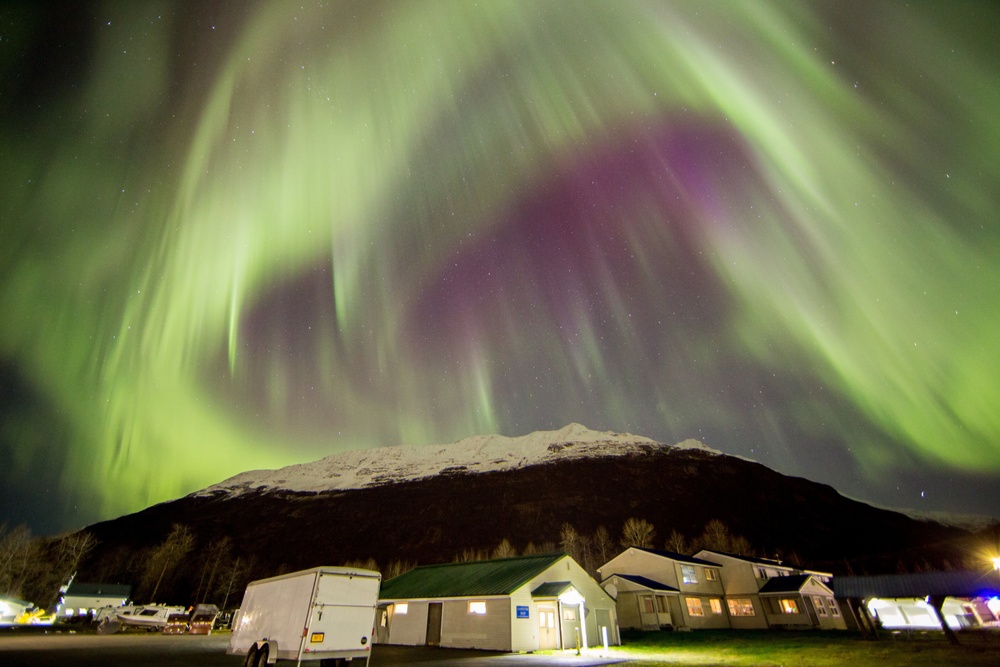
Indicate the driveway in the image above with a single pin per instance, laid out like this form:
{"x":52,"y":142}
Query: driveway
{"x":51,"y":649}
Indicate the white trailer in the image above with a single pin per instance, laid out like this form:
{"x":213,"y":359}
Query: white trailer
{"x":326,"y":614}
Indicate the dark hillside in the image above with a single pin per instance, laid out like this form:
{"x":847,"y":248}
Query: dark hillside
{"x":437,"y":518}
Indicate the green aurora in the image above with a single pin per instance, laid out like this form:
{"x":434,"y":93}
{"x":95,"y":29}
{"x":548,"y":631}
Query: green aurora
{"x":257,"y":234}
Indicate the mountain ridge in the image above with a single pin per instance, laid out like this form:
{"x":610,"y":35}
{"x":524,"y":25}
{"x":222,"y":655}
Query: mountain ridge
{"x":475,"y":454}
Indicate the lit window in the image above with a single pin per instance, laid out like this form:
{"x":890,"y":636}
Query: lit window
{"x":569,"y":614}
{"x":688,"y":575}
{"x":477,"y":607}
{"x":402,"y":607}
{"x":788,"y":606}
{"x":710,"y":574}
{"x":694,"y":607}
{"x":716,"y":605}
{"x":741,"y":607}
{"x":820,"y":607}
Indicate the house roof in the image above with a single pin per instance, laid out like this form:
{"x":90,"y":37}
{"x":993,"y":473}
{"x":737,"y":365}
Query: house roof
{"x":81,"y":589}
{"x":790,"y":584}
{"x":646,"y":582}
{"x":551,"y":589}
{"x":677,"y":557}
{"x":955,"y":584}
{"x":752,"y":559}
{"x":451,"y":580}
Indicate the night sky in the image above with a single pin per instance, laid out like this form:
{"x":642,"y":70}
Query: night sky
{"x":239,"y":235}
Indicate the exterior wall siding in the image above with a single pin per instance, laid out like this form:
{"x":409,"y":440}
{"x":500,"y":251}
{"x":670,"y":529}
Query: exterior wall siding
{"x":460,"y":629}
{"x":409,"y":629}
{"x":523,"y":631}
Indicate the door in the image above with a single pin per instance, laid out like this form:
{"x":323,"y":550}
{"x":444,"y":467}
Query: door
{"x":548,"y":631}
{"x":434,"y":624}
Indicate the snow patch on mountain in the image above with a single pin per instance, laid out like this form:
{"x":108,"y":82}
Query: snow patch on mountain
{"x":476,"y":454}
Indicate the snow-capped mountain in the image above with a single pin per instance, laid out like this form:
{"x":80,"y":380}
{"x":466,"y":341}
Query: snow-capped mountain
{"x":476,"y":454}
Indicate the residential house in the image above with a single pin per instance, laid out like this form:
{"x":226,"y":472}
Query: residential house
{"x":526,"y":603}
{"x":652,"y":586}
{"x":762,"y":593}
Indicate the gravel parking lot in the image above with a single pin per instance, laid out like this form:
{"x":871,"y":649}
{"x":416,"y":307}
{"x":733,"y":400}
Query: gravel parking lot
{"x":41,"y":649}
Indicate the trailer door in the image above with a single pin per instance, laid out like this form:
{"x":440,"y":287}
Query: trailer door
{"x":343,"y":614}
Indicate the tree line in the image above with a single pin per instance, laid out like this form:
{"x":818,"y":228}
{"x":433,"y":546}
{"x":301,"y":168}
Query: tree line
{"x":178,"y":570}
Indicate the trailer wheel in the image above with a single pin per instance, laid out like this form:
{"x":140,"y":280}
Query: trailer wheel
{"x":262,"y":656}
{"x":251,"y":660}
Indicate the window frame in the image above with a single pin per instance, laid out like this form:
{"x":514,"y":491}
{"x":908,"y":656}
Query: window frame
{"x":694,"y":606}
{"x":741,"y":607}
{"x":788,"y":606}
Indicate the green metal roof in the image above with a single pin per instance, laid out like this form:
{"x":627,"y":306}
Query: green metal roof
{"x":551,"y":589}
{"x":453,"y":580}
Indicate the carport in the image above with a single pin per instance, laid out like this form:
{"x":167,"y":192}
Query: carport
{"x":933,"y":587}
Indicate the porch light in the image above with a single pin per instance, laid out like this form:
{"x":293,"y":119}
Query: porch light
{"x":571,"y":597}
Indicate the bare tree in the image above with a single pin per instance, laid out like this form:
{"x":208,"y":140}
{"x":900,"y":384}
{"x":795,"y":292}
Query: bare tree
{"x":17,"y":550}
{"x":398,"y":567}
{"x":504,"y":550}
{"x":569,"y":541}
{"x":366,"y":564}
{"x":677,"y":542}
{"x":165,"y":557}
{"x":469,"y":555}
{"x":72,"y":549}
{"x":602,"y":544}
{"x":716,"y":537}
{"x":234,"y":576}
{"x":742,"y":547}
{"x":218,"y":552}
{"x":638,"y":533}
{"x":585,"y":554}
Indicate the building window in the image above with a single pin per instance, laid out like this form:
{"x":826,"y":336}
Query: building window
{"x":820,"y":607}
{"x":694,"y":607}
{"x":661,"y":604}
{"x":761,"y":573}
{"x":834,"y":609}
{"x":741,"y":607}
{"x":647,"y":604}
{"x":710,"y":574}
{"x":788,"y":606}
{"x":477,"y":607}
{"x":569,"y":614}
{"x":402,"y":607}
{"x":716,"y":605}
{"x":688,"y":575}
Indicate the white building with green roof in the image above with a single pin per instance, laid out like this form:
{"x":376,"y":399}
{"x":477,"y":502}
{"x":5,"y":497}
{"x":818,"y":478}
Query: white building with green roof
{"x":527,"y":603}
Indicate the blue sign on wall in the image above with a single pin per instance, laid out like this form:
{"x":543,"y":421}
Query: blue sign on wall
{"x":522,"y":611}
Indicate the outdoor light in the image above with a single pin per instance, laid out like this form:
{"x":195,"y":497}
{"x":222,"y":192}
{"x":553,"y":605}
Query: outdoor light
{"x":996,"y":563}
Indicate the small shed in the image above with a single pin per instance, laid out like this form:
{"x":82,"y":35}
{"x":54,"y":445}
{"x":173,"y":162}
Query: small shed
{"x":526,"y":603}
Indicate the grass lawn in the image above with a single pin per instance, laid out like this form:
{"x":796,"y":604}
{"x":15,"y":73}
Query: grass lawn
{"x":713,"y":648}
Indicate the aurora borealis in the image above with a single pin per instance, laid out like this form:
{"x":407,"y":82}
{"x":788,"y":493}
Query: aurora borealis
{"x":250,"y":234}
